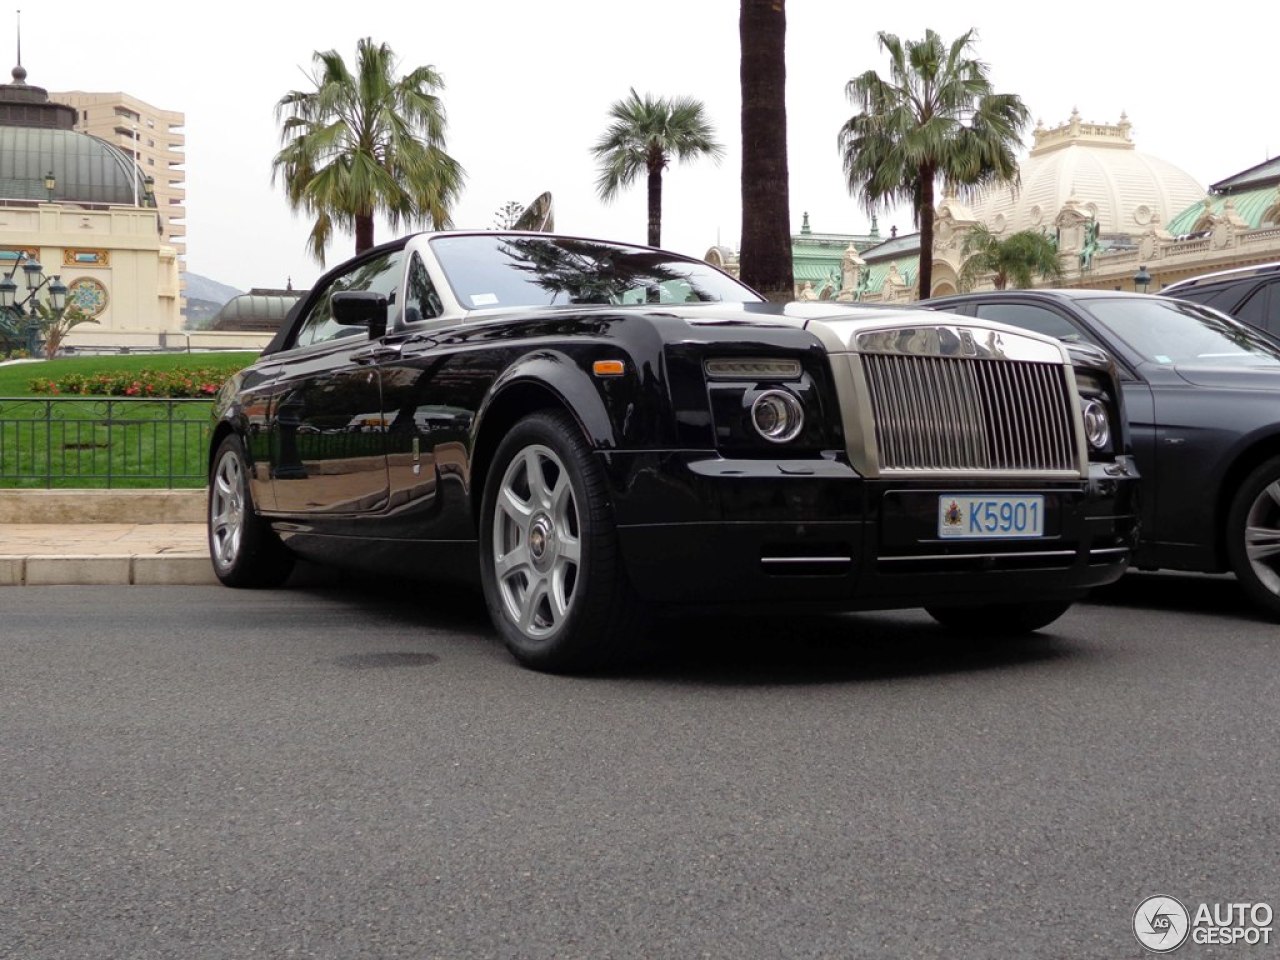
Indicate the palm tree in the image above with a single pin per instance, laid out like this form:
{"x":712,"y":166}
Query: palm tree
{"x":1014,"y":261}
{"x":644,"y":136}
{"x":366,"y":143}
{"x":765,"y":255}
{"x":934,"y":119}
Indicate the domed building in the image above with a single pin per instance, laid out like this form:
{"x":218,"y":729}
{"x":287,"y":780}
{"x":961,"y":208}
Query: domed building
{"x":1086,"y":185}
{"x":82,"y":209}
{"x":1097,"y":166}
{"x":1121,"y":219}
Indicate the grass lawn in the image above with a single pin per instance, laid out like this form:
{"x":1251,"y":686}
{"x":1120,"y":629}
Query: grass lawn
{"x":15,"y":378}
{"x":92,"y":442}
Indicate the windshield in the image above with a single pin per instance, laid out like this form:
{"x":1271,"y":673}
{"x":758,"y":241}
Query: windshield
{"x":1169,"y":331}
{"x":491,"y":271}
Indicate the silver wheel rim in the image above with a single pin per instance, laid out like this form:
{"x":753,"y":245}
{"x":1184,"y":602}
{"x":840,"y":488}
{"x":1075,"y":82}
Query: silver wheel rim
{"x":536,"y":543}
{"x":1262,"y":537}
{"x":226,"y":511}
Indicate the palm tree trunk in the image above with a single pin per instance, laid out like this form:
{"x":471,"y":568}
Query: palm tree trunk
{"x":364,"y":232}
{"x":926,"y":232}
{"x":655,"y":204}
{"x":765,"y":254}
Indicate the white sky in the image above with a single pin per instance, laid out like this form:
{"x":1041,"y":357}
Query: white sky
{"x":528,"y":87}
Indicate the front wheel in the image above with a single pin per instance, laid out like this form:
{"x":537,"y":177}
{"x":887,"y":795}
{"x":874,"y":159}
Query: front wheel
{"x":999,"y":619}
{"x":244,"y":549}
{"x":1253,"y":536}
{"x":550,"y":567}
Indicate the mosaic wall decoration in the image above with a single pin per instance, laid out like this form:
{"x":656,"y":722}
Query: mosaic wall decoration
{"x":86,"y":257}
{"x":87,"y":294}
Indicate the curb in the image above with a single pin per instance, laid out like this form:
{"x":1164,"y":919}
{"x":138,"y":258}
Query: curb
{"x":60,"y":516}
{"x":108,"y":569}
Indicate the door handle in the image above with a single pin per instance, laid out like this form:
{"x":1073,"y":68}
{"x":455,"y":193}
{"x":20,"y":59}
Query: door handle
{"x":381,"y":353}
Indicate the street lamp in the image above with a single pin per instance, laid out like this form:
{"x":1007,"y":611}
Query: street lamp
{"x":23,"y":316}
{"x":1141,"y":280}
{"x":50,"y":182}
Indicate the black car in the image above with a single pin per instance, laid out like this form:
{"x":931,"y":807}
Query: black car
{"x":1202,"y":394}
{"x":1250,"y":294}
{"x":596,"y":431}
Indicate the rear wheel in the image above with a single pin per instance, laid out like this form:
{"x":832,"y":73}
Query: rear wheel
{"x":552,"y":574}
{"x":999,"y":619}
{"x":1253,"y":536}
{"x":244,"y":549}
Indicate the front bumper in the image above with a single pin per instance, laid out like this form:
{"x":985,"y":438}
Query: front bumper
{"x":704,"y":531}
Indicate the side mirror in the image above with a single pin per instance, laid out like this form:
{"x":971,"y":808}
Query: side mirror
{"x":361,"y":308}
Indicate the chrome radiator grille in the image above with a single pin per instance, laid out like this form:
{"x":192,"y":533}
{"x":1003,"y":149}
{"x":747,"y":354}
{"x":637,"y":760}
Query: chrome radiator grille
{"x":956,"y":413}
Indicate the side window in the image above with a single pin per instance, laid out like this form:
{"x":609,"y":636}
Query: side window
{"x":421,"y":302}
{"x":1034,"y":318}
{"x":380,"y":275}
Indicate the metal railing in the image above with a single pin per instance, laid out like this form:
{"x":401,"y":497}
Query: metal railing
{"x":96,"y":442}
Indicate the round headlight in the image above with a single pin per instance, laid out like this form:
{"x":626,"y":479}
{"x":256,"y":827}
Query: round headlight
{"x":777,"y":416}
{"x":1097,"y":428}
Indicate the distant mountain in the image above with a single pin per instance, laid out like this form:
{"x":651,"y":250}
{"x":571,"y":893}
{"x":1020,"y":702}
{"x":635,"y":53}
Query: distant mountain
{"x":205,"y":298}
{"x":202,"y":288}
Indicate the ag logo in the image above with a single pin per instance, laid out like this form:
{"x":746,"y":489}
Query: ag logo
{"x":1161,"y":924}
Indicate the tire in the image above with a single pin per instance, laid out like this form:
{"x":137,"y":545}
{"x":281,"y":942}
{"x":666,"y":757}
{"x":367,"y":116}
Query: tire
{"x":550,"y":566}
{"x":1253,"y":536}
{"x":244,"y":549}
{"x":999,"y":619}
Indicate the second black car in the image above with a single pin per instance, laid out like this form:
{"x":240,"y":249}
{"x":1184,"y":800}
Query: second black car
{"x":1202,"y":393}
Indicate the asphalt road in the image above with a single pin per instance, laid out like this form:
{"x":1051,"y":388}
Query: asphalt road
{"x":349,"y":772}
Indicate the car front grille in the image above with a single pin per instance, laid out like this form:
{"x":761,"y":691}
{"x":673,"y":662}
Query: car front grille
{"x":971,"y":414}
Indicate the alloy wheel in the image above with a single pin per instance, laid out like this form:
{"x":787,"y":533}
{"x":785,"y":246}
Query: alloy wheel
{"x":226,"y":510}
{"x":537,"y":546}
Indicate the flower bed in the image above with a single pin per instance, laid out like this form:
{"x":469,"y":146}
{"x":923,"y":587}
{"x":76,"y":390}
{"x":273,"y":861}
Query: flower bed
{"x":190,"y":382}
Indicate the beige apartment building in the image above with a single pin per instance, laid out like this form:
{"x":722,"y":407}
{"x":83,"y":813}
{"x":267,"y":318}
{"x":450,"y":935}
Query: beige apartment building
{"x":154,"y":137}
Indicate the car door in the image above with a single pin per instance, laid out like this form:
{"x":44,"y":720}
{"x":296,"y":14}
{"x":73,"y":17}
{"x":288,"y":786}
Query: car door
{"x":328,"y":434}
{"x":431,"y":390}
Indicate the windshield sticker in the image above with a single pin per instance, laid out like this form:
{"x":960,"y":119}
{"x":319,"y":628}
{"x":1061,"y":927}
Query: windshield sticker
{"x":483,"y":299}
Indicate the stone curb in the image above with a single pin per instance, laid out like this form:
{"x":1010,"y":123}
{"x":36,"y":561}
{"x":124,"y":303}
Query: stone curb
{"x":106,"y":569}
{"x":102,"y":506}
{"x":172,"y":563}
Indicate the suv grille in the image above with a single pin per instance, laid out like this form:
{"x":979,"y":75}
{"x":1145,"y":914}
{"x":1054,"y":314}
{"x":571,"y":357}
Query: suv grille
{"x":951,"y":413}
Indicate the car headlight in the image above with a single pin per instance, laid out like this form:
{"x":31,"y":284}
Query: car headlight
{"x":1097,"y":425}
{"x":759,"y":403}
{"x":777,"y":416}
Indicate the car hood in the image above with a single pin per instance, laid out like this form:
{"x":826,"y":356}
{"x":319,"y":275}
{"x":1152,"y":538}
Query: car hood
{"x":1240,"y":378}
{"x":855,"y":328}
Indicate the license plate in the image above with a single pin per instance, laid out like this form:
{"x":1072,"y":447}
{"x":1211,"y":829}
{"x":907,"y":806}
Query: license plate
{"x":980,"y":516}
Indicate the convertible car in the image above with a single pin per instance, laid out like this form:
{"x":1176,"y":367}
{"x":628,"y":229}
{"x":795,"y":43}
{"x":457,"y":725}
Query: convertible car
{"x":595,"y":431}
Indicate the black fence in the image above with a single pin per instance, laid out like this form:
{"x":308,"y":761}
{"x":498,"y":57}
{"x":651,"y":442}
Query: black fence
{"x":96,"y":442}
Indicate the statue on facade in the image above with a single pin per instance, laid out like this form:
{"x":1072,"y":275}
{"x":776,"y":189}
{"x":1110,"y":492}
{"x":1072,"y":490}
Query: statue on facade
{"x":1090,"y":244}
{"x":852,"y":267}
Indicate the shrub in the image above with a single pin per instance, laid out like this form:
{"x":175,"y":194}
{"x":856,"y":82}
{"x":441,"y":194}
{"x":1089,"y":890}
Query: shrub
{"x":190,"y":382}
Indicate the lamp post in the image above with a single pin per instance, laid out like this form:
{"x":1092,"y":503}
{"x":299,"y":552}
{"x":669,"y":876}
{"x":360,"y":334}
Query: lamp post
{"x":24,"y":314}
{"x":1141,"y":280}
{"x":50,"y":183}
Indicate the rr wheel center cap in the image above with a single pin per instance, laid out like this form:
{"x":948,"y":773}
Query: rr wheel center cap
{"x":542,"y":542}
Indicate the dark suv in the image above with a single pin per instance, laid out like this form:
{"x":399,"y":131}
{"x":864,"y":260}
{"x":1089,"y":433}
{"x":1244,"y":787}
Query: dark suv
{"x":1250,"y":294}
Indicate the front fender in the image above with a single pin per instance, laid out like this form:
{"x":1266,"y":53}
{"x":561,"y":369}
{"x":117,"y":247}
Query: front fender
{"x":578,"y":391}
